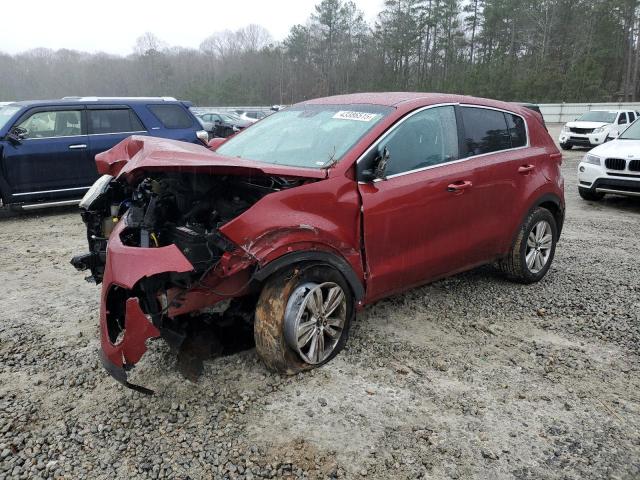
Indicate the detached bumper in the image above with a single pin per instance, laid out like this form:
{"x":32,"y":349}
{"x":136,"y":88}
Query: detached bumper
{"x":124,"y":326}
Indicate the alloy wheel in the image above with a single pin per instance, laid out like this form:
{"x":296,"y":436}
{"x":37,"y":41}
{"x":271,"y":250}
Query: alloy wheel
{"x":314,"y":320}
{"x":539,"y":245}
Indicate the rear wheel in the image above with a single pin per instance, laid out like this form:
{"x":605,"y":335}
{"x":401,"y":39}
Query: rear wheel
{"x":302,"y":318}
{"x":533,"y":249}
{"x":588,"y":194}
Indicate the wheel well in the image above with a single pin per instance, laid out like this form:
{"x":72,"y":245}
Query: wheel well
{"x":556,"y":211}
{"x":314,"y":257}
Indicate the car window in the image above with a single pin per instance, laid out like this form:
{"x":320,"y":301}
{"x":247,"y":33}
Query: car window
{"x":632,"y":117}
{"x":425,"y":139}
{"x":622,"y":119}
{"x":172,"y":116}
{"x":485,"y":131}
{"x":517,"y":130}
{"x":114,"y":121}
{"x":597,"y":116}
{"x":6,"y":113}
{"x":59,"y":123}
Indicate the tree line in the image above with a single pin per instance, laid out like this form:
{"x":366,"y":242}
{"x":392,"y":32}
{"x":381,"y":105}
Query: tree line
{"x":520,"y":50}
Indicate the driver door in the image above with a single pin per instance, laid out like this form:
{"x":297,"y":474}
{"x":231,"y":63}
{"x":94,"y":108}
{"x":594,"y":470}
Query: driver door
{"x":418,"y":222}
{"x":51,"y":159}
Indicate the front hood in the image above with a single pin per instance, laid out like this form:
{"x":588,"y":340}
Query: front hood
{"x":140,"y":153}
{"x":586,"y":124}
{"x":628,"y":149}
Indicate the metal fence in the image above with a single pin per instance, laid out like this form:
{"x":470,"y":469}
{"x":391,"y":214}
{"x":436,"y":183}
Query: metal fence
{"x":200,"y":110}
{"x":566,"y":112}
{"x":552,"y":112}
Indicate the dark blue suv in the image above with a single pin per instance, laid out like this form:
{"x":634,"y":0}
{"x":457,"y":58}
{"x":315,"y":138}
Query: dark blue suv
{"x":47,"y":148}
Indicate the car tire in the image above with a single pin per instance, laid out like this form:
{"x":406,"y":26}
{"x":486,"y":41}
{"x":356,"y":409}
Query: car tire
{"x":531,"y":243}
{"x":565,"y":146}
{"x":283,"y":318}
{"x":588,"y":194}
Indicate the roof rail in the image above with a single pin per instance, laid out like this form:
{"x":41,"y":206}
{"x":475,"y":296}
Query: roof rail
{"x":95,"y":99}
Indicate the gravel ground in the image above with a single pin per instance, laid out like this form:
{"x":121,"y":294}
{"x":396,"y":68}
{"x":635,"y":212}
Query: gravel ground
{"x":470,"y":377}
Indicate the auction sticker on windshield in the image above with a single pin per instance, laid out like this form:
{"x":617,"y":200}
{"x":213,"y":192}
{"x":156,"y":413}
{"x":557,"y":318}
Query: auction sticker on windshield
{"x":359,"y":116}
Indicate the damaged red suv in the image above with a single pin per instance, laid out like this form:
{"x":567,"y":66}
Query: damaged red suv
{"x":296,"y":223}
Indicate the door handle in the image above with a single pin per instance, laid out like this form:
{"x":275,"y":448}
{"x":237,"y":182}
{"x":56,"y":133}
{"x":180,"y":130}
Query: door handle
{"x":459,"y":187}
{"x":77,"y":146}
{"x":524,"y":169}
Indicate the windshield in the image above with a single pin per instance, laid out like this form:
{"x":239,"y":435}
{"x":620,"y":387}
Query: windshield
{"x":598,"y":116}
{"x":6,"y":113}
{"x":313,"y":136}
{"x":631,"y":133}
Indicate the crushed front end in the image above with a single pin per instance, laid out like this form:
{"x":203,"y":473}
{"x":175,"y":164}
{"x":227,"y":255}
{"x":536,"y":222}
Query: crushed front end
{"x":156,"y":247}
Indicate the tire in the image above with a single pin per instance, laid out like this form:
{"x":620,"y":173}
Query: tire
{"x":282,"y":300}
{"x":588,"y":194}
{"x":566,"y":146}
{"x":515,"y":265}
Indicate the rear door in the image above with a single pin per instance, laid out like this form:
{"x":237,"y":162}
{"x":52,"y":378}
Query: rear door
{"x":495,"y":143}
{"x":418,"y":224}
{"x":108,"y":125}
{"x":52,"y":160}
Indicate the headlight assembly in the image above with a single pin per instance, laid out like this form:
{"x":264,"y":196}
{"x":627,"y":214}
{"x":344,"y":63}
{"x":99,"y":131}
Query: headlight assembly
{"x":599,"y":130}
{"x":96,"y":190}
{"x":592,"y":159}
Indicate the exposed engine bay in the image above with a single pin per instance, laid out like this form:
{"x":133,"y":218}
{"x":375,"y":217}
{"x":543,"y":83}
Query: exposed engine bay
{"x":173,"y":208}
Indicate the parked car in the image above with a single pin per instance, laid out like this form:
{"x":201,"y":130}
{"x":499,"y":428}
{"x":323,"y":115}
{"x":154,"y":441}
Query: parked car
{"x":294,"y":224}
{"x":612,"y":168}
{"x":251,"y":116}
{"x":48,"y":148}
{"x":593,"y":127}
{"x":224,"y":124}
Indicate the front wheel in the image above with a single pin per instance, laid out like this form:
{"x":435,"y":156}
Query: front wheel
{"x":302,"y":318}
{"x":533,"y":250}
{"x":588,"y":194}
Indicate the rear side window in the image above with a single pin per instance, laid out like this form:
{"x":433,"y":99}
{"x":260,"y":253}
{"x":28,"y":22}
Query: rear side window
{"x":485,"y":131}
{"x":172,"y":116}
{"x":114,"y":121}
{"x":632,"y":117}
{"x":517,"y":130}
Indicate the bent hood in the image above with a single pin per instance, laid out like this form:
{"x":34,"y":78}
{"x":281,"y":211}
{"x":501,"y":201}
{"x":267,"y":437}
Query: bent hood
{"x":627,"y":149}
{"x":140,"y":153}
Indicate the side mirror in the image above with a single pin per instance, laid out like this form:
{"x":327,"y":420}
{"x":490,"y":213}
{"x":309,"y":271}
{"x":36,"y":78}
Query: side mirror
{"x":17,"y":134}
{"x":379,"y":167}
{"x":214,"y":143}
{"x":381,"y":164}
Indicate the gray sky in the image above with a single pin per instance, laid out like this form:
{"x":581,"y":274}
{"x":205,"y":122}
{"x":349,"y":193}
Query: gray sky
{"x":113,"y":25}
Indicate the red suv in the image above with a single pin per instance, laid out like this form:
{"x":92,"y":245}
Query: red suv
{"x":294,"y":224}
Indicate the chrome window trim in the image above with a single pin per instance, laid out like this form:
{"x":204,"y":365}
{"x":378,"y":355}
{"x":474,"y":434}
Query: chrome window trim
{"x":87,"y":135}
{"x":52,"y":191}
{"x":382,"y":137}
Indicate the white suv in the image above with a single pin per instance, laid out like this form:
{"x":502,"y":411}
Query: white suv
{"x":613,"y":167}
{"x":593,"y":128}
